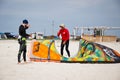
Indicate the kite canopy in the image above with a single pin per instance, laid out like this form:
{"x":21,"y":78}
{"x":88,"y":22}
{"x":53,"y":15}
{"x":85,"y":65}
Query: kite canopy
{"x":88,"y":52}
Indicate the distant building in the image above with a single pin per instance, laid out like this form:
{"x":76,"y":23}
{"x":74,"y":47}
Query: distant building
{"x":96,"y":33}
{"x":37,"y":35}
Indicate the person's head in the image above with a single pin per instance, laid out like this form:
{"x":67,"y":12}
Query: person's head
{"x":62,"y":26}
{"x":25,"y":23}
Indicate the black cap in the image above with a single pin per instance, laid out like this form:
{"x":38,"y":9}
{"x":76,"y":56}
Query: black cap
{"x":25,"y":21}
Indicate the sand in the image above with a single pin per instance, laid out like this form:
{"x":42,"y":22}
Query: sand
{"x":10,"y":70}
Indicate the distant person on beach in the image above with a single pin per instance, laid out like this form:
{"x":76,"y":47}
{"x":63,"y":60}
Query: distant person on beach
{"x":95,"y":32}
{"x":22,"y":40}
{"x":65,"y":38}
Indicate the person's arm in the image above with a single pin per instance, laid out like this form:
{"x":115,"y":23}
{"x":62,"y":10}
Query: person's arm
{"x":67,"y":34}
{"x":64,"y":42}
{"x":21,"y":30}
{"x":28,"y":35}
{"x":58,"y":34}
{"x":26,"y":27}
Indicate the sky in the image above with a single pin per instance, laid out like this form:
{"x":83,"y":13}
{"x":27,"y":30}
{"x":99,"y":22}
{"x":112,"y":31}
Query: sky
{"x":42,"y":14}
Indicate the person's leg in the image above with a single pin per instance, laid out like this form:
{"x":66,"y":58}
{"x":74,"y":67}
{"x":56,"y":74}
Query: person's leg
{"x":67,"y":45}
{"x":24,"y":49}
{"x":19,"y":53}
{"x":24,"y":54}
{"x":62,"y":48}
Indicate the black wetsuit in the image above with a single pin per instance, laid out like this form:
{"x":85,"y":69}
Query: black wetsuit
{"x":22,"y":42}
{"x":62,"y":47}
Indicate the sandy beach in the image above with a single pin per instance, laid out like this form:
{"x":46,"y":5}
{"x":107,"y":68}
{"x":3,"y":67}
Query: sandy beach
{"x":10,"y":70}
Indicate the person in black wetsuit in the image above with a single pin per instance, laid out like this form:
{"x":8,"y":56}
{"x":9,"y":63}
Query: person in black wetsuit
{"x":22,"y":40}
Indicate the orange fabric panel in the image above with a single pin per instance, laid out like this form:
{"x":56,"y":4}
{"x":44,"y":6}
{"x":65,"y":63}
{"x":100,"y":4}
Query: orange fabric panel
{"x":54,"y":55}
{"x":40,"y":50}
